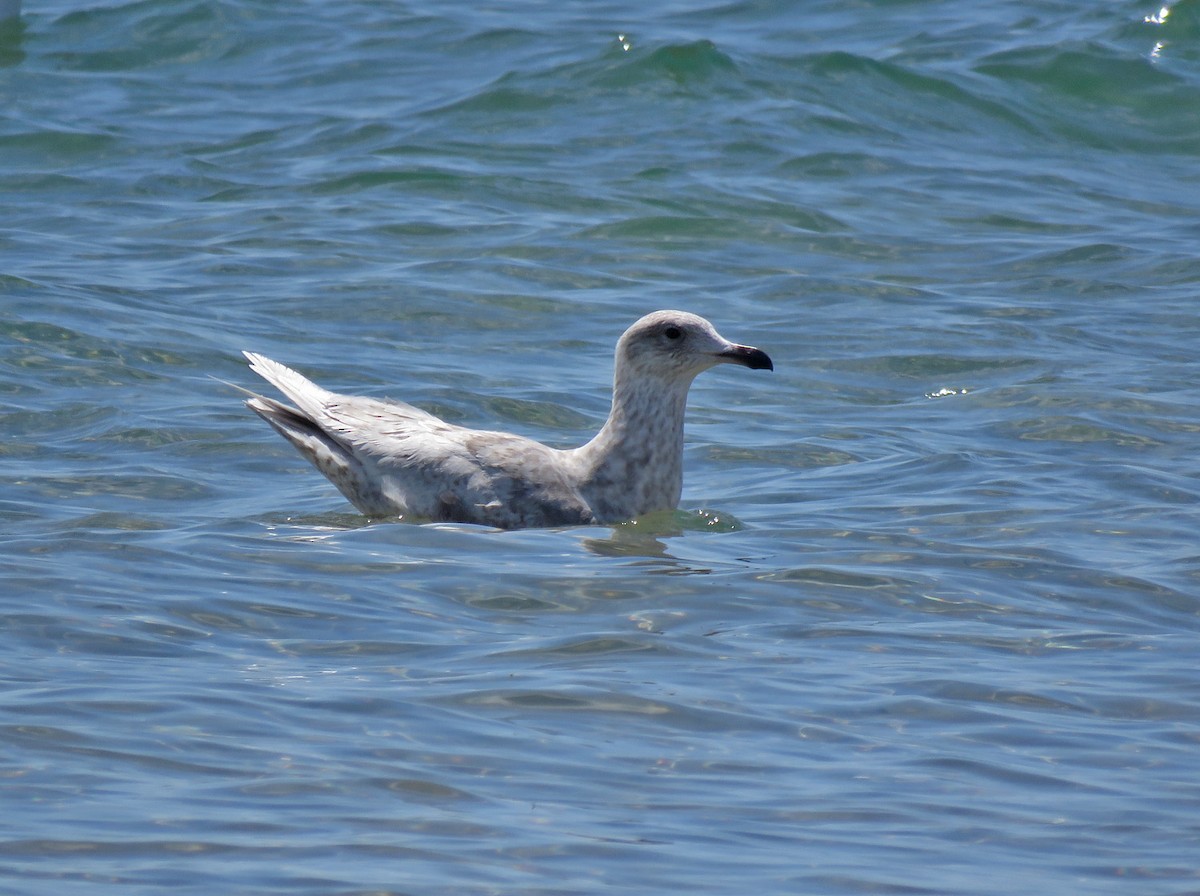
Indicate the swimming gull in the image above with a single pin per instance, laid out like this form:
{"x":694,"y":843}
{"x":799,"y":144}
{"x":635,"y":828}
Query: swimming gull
{"x":394,"y":460}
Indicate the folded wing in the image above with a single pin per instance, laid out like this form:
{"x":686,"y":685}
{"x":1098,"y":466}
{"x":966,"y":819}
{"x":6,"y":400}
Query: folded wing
{"x":392,"y":459}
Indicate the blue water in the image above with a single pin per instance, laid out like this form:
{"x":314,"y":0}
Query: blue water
{"x":927,"y":621}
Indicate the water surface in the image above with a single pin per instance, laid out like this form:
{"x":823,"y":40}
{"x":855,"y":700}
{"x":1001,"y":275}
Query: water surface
{"x":927,"y":619}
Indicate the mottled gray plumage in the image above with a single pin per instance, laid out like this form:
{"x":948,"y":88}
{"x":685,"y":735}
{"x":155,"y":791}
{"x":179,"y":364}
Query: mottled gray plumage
{"x":391,"y":459}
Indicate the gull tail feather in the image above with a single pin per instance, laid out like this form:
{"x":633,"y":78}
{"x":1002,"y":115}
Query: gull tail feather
{"x":310,"y":398}
{"x":300,"y":426}
{"x":324,"y":452}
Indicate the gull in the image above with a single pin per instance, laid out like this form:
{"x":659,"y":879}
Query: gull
{"x":391,"y":459}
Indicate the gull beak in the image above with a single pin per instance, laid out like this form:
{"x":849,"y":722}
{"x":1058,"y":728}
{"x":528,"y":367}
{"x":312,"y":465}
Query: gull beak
{"x":754,"y":358}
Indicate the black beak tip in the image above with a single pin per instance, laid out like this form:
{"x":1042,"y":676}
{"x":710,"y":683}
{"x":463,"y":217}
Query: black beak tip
{"x":754,"y":358}
{"x":760,"y":361}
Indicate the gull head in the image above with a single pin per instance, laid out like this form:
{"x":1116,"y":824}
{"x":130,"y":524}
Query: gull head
{"x":676,"y":345}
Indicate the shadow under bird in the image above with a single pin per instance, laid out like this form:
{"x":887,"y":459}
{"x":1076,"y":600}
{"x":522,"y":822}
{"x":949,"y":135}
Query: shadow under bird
{"x":391,"y":459}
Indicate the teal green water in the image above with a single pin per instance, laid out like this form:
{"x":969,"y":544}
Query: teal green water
{"x":927,"y":620}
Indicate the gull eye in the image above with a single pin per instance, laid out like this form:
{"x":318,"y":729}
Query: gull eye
{"x":673,"y":333}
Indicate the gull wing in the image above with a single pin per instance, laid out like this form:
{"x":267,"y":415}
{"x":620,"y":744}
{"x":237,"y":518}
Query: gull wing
{"x":390,"y":458}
